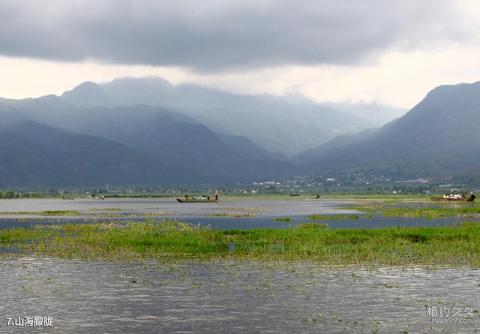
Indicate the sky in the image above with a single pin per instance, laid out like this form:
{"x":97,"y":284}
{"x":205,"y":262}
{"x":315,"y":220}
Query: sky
{"x":371,"y":51}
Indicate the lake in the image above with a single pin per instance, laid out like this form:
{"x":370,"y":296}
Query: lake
{"x":237,"y":297}
{"x":229,"y":213}
{"x":226,"y":296}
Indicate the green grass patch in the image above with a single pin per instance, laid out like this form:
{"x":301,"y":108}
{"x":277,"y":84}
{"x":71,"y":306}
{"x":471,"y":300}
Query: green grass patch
{"x":452,"y":246}
{"x":312,"y":225}
{"x":60,"y":213}
{"x":431,"y":212}
{"x":422,"y":210}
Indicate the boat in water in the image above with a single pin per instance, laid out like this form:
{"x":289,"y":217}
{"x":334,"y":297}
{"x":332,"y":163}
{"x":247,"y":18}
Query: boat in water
{"x":455,"y":198}
{"x":198,"y":199}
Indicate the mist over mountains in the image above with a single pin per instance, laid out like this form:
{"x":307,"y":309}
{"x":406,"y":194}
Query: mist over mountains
{"x":149,"y":132}
{"x":282,"y":125}
{"x":159,"y":147}
{"x":438,"y":138}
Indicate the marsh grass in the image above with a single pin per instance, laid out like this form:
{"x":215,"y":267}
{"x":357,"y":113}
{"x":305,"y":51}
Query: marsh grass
{"x":431,"y":212}
{"x":60,"y":213}
{"x":453,"y":246}
{"x":419,"y":210}
{"x":312,"y":225}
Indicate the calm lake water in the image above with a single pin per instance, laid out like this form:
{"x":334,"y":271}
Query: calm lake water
{"x":237,"y":213}
{"x":236,"y":297}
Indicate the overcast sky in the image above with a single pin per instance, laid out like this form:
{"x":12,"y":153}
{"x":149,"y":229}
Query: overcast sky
{"x":390,"y":52}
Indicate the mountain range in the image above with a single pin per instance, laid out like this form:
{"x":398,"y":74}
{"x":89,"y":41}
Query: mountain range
{"x":149,"y":132}
{"x":438,"y":138}
{"x":132,"y":145}
{"x":283,"y":125}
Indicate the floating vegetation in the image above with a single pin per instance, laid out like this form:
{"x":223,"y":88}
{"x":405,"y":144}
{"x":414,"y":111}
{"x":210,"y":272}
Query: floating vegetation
{"x":61,"y":213}
{"x":452,"y":246}
{"x":234,"y":214}
{"x":283,"y":219}
{"x":334,"y":217}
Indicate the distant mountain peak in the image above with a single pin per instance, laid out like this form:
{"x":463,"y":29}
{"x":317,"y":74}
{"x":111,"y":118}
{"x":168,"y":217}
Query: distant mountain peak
{"x":438,"y":137}
{"x":87,"y":94}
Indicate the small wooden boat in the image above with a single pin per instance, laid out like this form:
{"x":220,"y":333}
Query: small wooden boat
{"x":201,"y":199}
{"x":455,"y":198}
{"x":196,"y":200}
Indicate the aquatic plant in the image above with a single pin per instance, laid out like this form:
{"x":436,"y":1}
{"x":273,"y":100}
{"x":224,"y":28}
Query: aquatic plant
{"x":334,"y":217}
{"x":60,"y":213}
{"x":234,"y":214}
{"x":312,"y":225}
{"x":424,"y":210}
{"x":453,"y":246}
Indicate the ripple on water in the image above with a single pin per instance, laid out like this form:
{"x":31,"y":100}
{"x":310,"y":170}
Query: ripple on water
{"x":233,"y":296}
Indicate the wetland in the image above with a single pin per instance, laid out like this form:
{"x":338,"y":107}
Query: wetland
{"x":241,"y":265}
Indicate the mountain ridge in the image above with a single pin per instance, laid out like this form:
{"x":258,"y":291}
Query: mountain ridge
{"x":437,"y":137}
{"x":280,"y":124}
{"x":185,"y":151}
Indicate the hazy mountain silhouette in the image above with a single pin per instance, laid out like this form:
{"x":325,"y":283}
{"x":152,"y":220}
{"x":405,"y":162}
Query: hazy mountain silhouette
{"x":285,"y":125}
{"x":438,"y":137}
{"x":160,"y":146}
{"x":88,"y":94}
{"x":38,"y":155}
